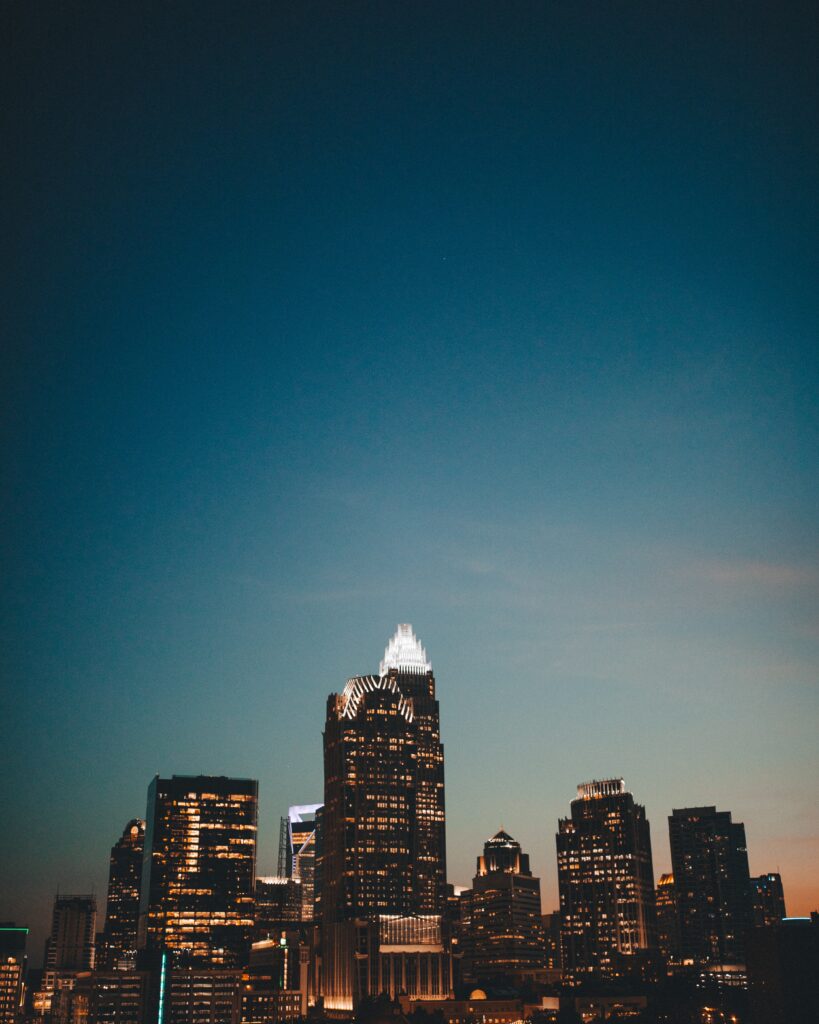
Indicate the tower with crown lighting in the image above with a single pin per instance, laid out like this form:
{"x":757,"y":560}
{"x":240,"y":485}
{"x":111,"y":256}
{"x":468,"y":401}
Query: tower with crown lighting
{"x":383,"y":834}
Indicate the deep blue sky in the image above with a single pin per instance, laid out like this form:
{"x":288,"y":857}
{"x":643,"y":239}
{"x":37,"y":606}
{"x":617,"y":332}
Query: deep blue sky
{"x":499,"y":319}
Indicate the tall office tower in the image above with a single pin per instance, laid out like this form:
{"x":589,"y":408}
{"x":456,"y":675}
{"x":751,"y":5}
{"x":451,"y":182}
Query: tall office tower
{"x":12,"y":971}
{"x":710,"y":864}
{"x":122,"y":911}
{"x":198,"y":869}
{"x":668,"y":932}
{"x":505,"y":913}
{"x":606,"y":883}
{"x":297,"y":853}
{"x":384,"y":844}
{"x":70,"y":946}
{"x":383,"y":847}
{"x":768,"y":899}
{"x":405,"y":663}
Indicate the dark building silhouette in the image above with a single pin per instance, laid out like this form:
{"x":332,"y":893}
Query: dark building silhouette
{"x":383,"y":858}
{"x":783,"y":971}
{"x":278,"y":905}
{"x":668,"y":931}
{"x":606,"y":884}
{"x":505,"y":935}
{"x":713,"y":886}
{"x":198,"y":871}
{"x":70,"y":946}
{"x":12,"y":970}
{"x":768,"y":898}
{"x":119,"y":943}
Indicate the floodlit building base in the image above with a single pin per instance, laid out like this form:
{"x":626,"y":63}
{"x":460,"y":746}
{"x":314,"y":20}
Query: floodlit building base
{"x":392,"y":955}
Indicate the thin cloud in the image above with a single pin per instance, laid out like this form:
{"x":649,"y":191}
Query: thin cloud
{"x":757,"y":573}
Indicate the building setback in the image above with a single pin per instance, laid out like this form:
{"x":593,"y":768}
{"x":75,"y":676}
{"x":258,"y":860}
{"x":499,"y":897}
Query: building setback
{"x":606,"y":884}
{"x":198,"y":870}
{"x":713,"y":886}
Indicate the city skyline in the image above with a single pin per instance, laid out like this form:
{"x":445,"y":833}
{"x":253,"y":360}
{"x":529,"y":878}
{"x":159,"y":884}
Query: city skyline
{"x":498,"y":319}
{"x":404,"y":643}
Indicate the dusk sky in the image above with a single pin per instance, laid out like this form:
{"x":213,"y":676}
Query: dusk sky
{"x":499,"y":319}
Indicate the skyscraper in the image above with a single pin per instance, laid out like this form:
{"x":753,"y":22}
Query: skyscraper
{"x":384,"y":841}
{"x":606,"y":883}
{"x":505,"y":935}
{"x":70,"y":945}
{"x":122,"y":909}
{"x":383,"y":869}
{"x":713,"y":886}
{"x":297,"y":854}
{"x":198,"y":868}
{"x":768,"y":899}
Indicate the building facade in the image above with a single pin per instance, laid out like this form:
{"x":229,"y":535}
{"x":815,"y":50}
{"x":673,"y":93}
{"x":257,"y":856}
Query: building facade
{"x":383,"y":857}
{"x":505,"y":935}
{"x":606,"y":884}
{"x":197,"y":901}
{"x":713,"y":886}
{"x":122,"y":909}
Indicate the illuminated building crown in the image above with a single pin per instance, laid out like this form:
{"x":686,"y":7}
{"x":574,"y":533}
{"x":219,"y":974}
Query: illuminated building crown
{"x":600,"y":788}
{"x":405,"y":653}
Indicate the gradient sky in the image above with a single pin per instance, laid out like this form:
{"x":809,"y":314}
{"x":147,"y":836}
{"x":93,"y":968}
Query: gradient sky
{"x":499,"y":319}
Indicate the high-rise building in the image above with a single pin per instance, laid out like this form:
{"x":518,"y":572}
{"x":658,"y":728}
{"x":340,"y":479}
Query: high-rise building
{"x":710,"y":863}
{"x":12,"y":971}
{"x":122,"y":909}
{"x":606,"y":883}
{"x":383,"y":859}
{"x":70,"y":946}
{"x":198,"y":871}
{"x":297,"y":854}
{"x":506,"y":930}
{"x":668,"y":932}
{"x":768,"y":899}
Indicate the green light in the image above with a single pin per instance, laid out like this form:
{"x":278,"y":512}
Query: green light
{"x":161,"y":990}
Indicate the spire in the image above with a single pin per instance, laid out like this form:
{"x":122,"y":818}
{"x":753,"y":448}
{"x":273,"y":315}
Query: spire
{"x":405,"y":653}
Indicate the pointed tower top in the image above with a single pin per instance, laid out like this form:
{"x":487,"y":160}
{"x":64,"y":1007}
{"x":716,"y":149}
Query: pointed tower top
{"x":502,"y":838}
{"x":405,"y":653}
